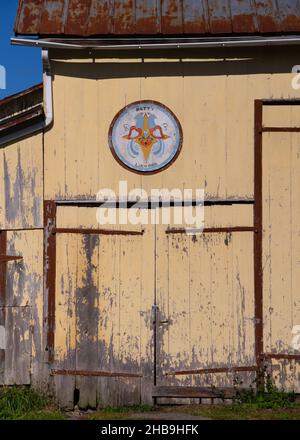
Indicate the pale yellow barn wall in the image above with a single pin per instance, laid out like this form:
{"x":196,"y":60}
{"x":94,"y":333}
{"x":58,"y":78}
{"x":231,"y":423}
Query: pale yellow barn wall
{"x":21,"y":184}
{"x":24,"y":308}
{"x":212,"y":96}
{"x":104,"y":294}
{"x":281,"y":251}
{"x":214,"y":216}
{"x":281,"y":116}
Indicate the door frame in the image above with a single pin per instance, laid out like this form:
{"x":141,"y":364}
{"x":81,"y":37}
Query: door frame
{"x":262,"y":358}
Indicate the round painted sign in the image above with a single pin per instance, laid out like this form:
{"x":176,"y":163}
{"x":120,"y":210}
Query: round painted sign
{"x":145,"y":137}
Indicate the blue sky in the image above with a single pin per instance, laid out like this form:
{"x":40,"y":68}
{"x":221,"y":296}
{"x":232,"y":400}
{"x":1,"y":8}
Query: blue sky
{"x":23,"y":65}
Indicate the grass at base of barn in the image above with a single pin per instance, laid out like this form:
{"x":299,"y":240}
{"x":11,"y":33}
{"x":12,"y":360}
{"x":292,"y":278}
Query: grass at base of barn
{"x":214,"y":412}
{"x":24,"y":403}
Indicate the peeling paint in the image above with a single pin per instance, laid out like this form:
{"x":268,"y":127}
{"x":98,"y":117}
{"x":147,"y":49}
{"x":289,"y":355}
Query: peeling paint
{"x":2,"y":338}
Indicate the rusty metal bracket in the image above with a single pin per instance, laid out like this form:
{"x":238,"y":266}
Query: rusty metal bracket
{"x":94,"y":373}
{"x":279,"y":356}
{"x":213,"y":370}
{"x":213,"y":230}
{"x":95,"y":231}
{"x":5,"y":258}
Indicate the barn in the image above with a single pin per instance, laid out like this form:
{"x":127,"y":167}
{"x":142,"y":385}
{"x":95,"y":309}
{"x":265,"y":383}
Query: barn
{"x":171,"y":94}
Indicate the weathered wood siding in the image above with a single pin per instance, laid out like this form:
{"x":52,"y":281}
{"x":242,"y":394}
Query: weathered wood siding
{"x":106,"y":284}
{"x":104,"y":294}
{"x":22,"y":310}
{"x":212,"y":94}
{"x":281,"y":250}
{"x":21,"y":184}
{"x":204,"y":288}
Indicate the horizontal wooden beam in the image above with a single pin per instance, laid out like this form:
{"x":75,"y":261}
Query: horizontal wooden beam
{"x":194,"y":392}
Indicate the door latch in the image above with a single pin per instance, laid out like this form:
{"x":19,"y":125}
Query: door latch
{"x":154,"y":311}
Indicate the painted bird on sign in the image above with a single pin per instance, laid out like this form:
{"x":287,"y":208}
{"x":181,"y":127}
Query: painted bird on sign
{"x":145,"y":133}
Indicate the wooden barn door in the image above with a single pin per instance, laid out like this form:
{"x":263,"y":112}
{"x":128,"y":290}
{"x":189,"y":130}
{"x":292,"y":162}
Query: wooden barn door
{"x":281,"y":240}
{"x":103,"y":332}
{"x":205,"y":311}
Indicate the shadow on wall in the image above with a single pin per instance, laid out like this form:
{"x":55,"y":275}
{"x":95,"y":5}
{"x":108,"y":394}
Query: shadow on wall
{"x":202,"y":62}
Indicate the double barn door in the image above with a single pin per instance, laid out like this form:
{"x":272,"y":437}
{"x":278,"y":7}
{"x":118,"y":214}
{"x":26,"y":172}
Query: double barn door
{"x":138,"y":310}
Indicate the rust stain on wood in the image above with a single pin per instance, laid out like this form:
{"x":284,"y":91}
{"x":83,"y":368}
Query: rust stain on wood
{"x":50,"y":271}
{"x":3,"y":243}
{"x":289,"y":357}
{"x":88,"y":231}
{"x":90,"y":373}
{"x":213,"y":370}
{"x":5,"y":258}
{"x":212,"y":230}
{"x":257,"y":244}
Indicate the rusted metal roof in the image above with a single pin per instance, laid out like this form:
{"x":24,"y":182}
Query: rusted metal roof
{"x":86,"y":18}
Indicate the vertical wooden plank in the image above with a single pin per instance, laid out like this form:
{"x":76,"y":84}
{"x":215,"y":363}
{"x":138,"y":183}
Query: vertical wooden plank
{"x":18,"y":346}
{"x":130,"y":317}
{"x":108,"y":324}
{"x":65,"y":317}
{"x":147,"y":301}
{"x":220,"y":245}
{"x":243,"y":312}
{"x":277,"y":193}
{"x":55,"y":145}
{"x":87,"y":316}
{"x":24,"y":287}
{"x":201,"y":314}
{"x":281,"y":213}
{"x":295,"y":249}
{"x":121,"y":93}
{"x":162,"y":299}
{"x":22,"y":183}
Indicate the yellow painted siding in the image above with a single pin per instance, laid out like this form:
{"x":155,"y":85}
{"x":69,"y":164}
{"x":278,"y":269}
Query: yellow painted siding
{"x":203,"y":285}
{"x":21,"y":184}
{"x":104,"y":294}
{"x":205,"y":292}
{"x":214,"y":216}
{"x":281,"y":250}
{"x":213,"y":97}
{"x":24,"y":354}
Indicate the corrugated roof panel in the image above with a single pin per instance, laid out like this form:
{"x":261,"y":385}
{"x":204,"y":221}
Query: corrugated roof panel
{"x":171,"y":17}
{"x":100,"y":19}
{"x":219,"y":17}
{"x":124,"y":17}
{"x":51,"y":18}
{"x":29,"y":16}
{"x":268,"y":16}
{"x":85,"y":18}
{"x":195,"y":17}
{"x":147,"y":17}
{"x":77,"y":17}
{"x":243,"y":16}
{"x":290,"y":14}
